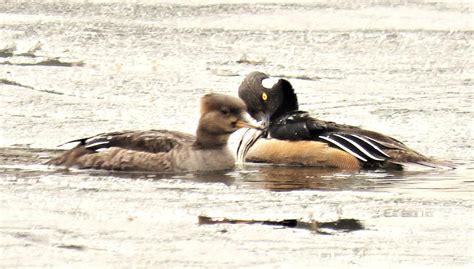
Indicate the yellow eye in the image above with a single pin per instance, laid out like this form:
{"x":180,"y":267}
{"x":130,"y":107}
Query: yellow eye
{"x":264,"y":97}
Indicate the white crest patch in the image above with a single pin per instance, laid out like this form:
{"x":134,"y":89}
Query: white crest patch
{"x":269,"y":82}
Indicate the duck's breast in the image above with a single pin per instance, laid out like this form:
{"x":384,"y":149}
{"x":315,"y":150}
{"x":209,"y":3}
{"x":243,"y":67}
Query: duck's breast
{"x":191,"y":159}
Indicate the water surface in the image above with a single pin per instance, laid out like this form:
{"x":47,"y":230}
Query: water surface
{"x":70,"y":69}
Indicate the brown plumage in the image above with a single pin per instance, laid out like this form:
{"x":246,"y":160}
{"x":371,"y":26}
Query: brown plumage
{"x":162,"y":150}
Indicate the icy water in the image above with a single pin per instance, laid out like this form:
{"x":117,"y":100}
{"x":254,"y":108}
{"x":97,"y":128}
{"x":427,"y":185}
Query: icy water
{"x":70,"y":69}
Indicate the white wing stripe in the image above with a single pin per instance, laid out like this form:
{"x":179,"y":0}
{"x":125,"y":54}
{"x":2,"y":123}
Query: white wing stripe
{"x":96,"y":138}
{"x":359,"y":147}
{"x":343,"y":147}
{"x":99,"y":143}
{"x":371,"y":144}
{"x":391,"y":144}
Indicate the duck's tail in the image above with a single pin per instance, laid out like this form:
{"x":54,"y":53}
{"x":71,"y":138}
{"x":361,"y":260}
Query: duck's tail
{"x":68,"y":158}
{"x":438,"y":164}
{"x":423,"y":162}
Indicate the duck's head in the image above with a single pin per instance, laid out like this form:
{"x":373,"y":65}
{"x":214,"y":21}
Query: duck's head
{"x":267,"y":98}
{"x":222,"y":115}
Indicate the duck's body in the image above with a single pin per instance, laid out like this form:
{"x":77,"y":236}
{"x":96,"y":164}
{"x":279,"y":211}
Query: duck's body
{"x":162,"y":150}
{"x":294,"y":137}
{"x":306,"y":153}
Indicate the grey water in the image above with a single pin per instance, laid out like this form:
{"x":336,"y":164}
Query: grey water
{"x":72,"y":68}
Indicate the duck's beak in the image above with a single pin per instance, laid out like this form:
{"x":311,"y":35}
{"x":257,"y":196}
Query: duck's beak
{"x":265,"y":121}
{"x":246,"y":121}
{"x":262,"y":118}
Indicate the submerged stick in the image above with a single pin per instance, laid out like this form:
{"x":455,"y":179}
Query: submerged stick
{"x":47,"y":62}
{"x":344,"y":225}
{"x":13,"y":83}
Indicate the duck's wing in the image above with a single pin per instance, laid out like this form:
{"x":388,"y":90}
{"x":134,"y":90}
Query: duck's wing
{"x":294,"y":126}
{"x":153,"y":141}
{"x":371,"y":148}
{"x":127,"y":150}
{"x":300,"y":126}
{"x":365,"y":145}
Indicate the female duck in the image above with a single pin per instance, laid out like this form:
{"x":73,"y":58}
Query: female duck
{"x":294,"y":137}
{"x":166,"y":151}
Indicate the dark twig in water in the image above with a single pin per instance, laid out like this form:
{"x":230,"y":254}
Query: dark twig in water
{"x":7,"y":52}
{"x":344,"y":225}
{"x":74,"y":247}
{"x":48,"y":62}
{"x":14,"y":83}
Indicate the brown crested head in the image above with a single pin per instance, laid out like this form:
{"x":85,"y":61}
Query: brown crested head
{"x":221,"y":115}
{"x":216,"y":101}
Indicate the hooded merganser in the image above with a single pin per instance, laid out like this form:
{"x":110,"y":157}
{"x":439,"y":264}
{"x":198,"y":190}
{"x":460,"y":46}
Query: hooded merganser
{"x":166,"y":151}
{"x":294,"y":137}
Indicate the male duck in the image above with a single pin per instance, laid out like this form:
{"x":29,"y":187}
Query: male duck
{"x":166,"y":151}
{"x":294,"y":137}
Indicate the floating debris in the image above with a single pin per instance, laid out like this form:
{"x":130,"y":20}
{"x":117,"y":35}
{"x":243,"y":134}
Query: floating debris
{"x":245,"y":60}
{"x":73,"y":247}
{"x":31,"y":51}
{"x":8,"y":51}
{"x":342,"y":225}
{"x":48,"y":62}
{"x":11,"y":51}
{"x":224,"y":72}
{"x":13,"y":83}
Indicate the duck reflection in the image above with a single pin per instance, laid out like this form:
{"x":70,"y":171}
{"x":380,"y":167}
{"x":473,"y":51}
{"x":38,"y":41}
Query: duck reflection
{"x":289,"y":178}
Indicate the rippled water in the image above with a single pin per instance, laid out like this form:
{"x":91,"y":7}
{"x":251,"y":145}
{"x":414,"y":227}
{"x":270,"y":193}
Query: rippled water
{"x":77,"y":68}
